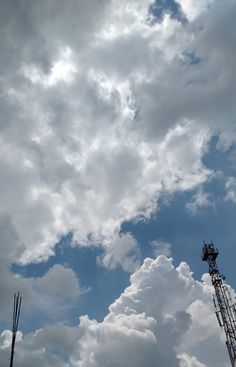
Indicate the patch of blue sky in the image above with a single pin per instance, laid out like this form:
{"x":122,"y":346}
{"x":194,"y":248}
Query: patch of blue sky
{"x":161,"y":7}
{"x":190,"y":58}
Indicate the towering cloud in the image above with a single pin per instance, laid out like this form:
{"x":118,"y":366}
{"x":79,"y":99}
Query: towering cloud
{"x":165,"y":317}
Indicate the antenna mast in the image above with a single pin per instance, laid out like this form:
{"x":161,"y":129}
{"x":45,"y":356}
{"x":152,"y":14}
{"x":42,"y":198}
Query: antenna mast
{"x":225,"y":308}
{"x":16,"y":315}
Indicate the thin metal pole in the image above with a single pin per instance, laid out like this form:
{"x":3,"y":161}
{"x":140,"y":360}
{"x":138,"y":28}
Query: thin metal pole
{"x":15,"y":322}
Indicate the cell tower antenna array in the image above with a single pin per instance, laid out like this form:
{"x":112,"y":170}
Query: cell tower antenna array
{"x":16,"y":315}
{"x":225,"y":308}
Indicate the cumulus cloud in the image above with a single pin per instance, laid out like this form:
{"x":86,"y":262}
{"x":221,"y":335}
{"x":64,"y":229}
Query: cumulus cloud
{"x":160,"y":319}
{"x":112,"y":111}
{"x":164,"y":317}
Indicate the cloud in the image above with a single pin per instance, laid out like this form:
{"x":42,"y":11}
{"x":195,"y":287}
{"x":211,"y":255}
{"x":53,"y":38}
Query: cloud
{"x":49,"y":296}
{"x":111,"y":113}
{"x":121,"y":251}
{"x":230,"y":187}
{"x":61,"y":71}
{"x":158,"y":320}
{"x":199,"y":201}
{"x":193,"y":9}
{"x":6,"y":338}
{"x":161,"y":248}
{"x":187,"y":361}
{"x":164,"y":317}
{"x":103,"y":111}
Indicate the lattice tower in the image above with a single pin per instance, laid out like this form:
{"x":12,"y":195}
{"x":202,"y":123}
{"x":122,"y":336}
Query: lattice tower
{"x":224,"y":306}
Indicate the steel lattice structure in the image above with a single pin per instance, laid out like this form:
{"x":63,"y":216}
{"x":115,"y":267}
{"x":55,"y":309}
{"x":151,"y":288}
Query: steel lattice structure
{"x":224,"y":306}
{"x":16,"y":315}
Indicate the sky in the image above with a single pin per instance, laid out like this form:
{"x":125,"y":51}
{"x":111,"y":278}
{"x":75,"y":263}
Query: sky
{"x":117,"y":161}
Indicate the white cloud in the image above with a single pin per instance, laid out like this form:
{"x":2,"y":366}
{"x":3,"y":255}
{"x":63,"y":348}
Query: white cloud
{"x":108,"y":115}
{"x":121,"y":251}
{"x":6,"y":338}
{"x":230,"y":187}
{"x":193,"y":9}
{"x":62,"y":70}
{"x":188,"y":361}
{"x":165,"y":317}
{"x":161,"y":248}
{"x":199,"y":201}
{"x":156,"y":321}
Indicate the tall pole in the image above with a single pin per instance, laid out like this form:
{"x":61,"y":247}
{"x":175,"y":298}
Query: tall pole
{"x":16,"y":315}
{"x":225,"y":308}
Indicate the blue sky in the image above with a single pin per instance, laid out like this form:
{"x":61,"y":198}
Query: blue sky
{"x":117,"y":139}
{"x":160,"y":8}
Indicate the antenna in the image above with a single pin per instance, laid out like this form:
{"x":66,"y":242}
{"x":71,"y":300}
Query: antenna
{"x":225,"y":308}
{"x":16,"y":315}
